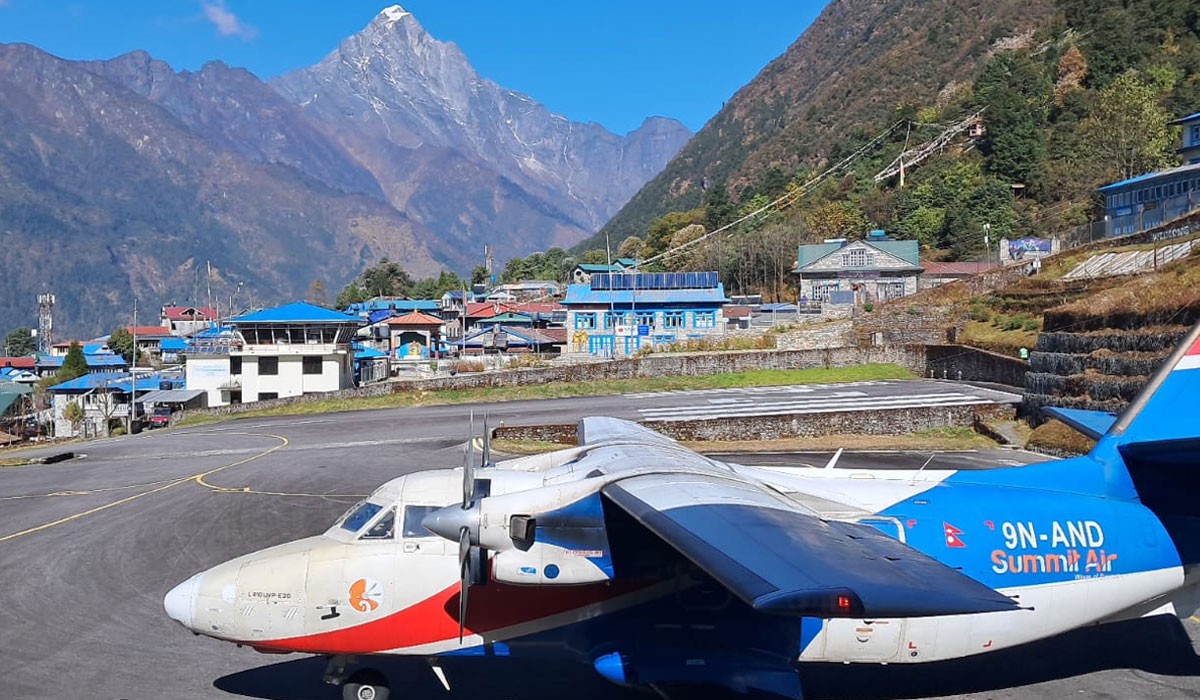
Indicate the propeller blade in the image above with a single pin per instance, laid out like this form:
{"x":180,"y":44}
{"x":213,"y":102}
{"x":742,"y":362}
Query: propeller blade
{"x":469,"y":467}
{"x":464,"y":564}
{"x":486,"y":461}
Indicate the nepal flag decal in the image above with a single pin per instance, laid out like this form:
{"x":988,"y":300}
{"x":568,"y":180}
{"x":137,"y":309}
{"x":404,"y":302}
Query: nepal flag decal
{"x":952,"y":533}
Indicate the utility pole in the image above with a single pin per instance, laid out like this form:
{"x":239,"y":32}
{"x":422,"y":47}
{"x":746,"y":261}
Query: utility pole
{"x":132,"y":373}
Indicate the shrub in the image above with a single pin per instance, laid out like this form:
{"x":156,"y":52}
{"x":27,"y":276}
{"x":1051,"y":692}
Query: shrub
{"x":465,"y":366}
{"x":868,"y":307}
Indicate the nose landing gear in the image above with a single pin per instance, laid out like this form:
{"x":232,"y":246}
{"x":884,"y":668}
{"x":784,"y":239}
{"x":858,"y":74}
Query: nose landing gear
{"x":366,"y":684}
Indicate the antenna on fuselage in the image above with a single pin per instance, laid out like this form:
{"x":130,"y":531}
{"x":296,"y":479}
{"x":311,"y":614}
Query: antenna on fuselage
{"x":926,"y":464}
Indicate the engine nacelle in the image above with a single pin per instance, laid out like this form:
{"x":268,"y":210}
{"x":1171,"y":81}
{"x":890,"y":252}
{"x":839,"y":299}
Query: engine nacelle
{"x":546,"y":564}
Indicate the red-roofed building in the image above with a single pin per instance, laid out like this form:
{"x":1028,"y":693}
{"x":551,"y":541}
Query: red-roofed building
{"x":18,"y":363}
{"x":415,"y":336}
{"x":186,"y":320}
{"x":939,"y":273}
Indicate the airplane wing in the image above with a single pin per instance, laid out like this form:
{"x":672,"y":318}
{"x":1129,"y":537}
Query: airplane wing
{"x":599,"y":429}
{"x":780,"y":559}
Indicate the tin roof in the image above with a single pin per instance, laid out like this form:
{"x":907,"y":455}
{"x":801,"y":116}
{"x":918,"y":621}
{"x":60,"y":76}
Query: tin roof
{"x":1194,"y":167}
{"x":296,"y":312}
{"x":416,"y":318}
{"x":584,"y":294}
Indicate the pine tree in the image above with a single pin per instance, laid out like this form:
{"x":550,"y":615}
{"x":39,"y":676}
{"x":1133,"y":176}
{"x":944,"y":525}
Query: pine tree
{"x":74,"y":365}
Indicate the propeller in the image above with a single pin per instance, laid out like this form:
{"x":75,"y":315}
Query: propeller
{"x":486,"y":460}
{"x":464,"y":570}
{"x":468,"y":491}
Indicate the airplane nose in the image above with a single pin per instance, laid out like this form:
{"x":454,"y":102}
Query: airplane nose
{"x":180,"y":601}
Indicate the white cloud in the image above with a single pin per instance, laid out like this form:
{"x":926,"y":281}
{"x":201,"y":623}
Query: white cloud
{"x":226,"y":22}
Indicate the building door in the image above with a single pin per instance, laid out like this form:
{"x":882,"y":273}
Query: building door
{"x":600,"y":345}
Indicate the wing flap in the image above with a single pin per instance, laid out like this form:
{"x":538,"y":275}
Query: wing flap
{"x":780,"y":559}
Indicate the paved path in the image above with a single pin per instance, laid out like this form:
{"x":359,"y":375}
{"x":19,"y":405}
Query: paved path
{"x":89,"y":547}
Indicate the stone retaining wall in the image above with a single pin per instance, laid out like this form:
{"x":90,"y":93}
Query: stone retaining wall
{"x":879,"y":422}
{"x":963,"y":363}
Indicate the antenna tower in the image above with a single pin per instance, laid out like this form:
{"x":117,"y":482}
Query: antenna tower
{"x":45,"y":322}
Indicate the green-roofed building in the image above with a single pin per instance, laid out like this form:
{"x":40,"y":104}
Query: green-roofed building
{"x":874,"y":269}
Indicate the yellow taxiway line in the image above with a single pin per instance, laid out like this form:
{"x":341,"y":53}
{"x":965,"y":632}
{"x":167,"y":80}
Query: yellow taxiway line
{"x":198,"y":478}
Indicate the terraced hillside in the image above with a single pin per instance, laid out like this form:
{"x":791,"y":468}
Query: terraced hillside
{"x":1097,"y":352}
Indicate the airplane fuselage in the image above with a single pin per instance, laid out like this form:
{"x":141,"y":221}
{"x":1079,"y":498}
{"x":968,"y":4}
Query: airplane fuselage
{"x":1069,"y":560}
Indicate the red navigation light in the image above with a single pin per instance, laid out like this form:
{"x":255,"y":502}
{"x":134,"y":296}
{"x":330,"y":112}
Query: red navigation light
{"x":843,"y":603}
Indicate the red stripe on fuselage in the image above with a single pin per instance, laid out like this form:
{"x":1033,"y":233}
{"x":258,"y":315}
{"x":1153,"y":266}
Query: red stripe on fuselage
{"x":435,"y":619}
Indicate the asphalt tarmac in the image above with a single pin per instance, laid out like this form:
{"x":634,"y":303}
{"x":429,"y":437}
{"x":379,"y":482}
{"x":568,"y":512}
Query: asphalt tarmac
{"x":89,"y":546}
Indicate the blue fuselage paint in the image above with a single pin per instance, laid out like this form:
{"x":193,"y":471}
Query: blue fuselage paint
{"x":1003,"y":536}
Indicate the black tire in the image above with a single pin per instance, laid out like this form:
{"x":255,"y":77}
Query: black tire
{"x":367,"y":684}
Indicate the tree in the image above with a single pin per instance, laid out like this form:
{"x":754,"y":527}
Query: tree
{"x":631,"y":247}
{"x":19,"y":341}
{"x":660,"y":231}
{"x":74,"y":365}
{"x":120,"y":341}
{"x":384,"y":279}
{"x":74,"y":414}
{"x":1016,"y":92}
{"x":1128,"y":132}
{"x":691,"y":258}
{"x":479,"y":274}
{"x":837,"y":220}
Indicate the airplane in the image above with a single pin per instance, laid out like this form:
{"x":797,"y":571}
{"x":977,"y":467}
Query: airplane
{"x":664,"y":569}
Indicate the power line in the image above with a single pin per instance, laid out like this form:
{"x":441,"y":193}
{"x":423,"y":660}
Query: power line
{"x":786,"y":199}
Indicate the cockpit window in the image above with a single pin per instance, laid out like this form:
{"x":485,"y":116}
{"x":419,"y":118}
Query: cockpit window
{"x":413,"y":515}
{"x":384,"y":528}
{"x":360,"y":516}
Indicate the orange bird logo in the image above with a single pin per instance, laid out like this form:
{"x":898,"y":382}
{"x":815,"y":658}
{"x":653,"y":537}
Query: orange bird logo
{"x":365,"y":594}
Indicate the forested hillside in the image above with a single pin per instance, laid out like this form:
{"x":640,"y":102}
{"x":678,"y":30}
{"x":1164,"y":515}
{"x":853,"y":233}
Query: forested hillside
{"x":1074,"y":94}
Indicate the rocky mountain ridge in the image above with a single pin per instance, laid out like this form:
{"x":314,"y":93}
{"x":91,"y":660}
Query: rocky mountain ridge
{"x":125,"y":178}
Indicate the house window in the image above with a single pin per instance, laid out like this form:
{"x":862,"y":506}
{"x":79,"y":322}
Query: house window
{"x":268,"y":366}
{"x":585,"y":322}
{"x":889,"y":290}
{"x":1195,"y":135}
{"x":822,"y":290}
{"x":268,"y":395}
{"x":857,"y":257}
{"x":608,"y":320}
{"x":645,"y":318}
{"x":673,"y":319}
{"x":704,"y":319}
{"x":235,"y":365}
{"x":312,"y":364}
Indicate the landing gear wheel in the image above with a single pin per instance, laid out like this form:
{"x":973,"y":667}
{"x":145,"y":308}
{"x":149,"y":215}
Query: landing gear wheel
{"x":367,"y":684}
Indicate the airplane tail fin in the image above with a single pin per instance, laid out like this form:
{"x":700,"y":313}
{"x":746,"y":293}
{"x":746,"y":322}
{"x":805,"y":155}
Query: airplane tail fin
{"x":1152,"y":450}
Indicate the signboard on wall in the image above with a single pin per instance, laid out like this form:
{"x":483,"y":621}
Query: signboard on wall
{"x":1023,"y":247}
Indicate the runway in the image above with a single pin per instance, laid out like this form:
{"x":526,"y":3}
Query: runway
{"x":88,"y":547}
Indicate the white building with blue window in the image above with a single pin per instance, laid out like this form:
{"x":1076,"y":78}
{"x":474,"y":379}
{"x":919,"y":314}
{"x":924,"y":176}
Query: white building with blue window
{"x":1153,"y":199}
{"x":616,"y":314}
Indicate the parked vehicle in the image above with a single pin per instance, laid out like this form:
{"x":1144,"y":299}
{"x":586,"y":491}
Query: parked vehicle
{"x":159,"y":418}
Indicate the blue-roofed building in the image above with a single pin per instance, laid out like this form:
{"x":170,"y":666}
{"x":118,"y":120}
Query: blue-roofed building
{"x":582,"y":273}
{"x":874,"y":269}
{"x":97,"y":363}
{"x":1189,"y":152}
{"x":370,"y":365}
{"x":1153,"y":199}
{"x":394,"y":305}
{"x":291,"y":350}
{"x":618,"y":313}
{"x":105,"y":399}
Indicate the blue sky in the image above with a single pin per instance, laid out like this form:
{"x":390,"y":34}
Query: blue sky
{"x":613,"y":62}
